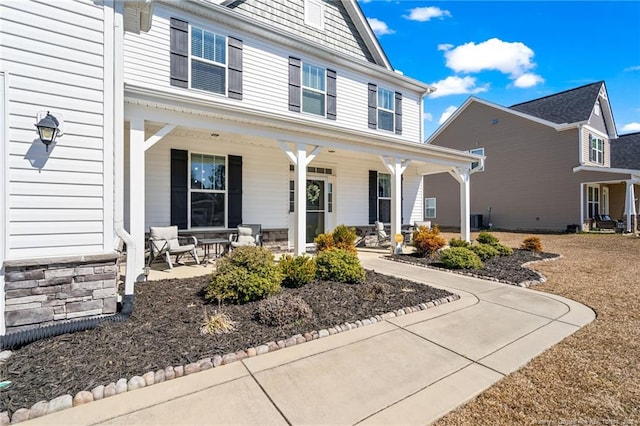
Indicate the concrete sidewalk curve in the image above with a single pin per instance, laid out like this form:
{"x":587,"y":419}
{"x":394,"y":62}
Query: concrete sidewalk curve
{"x":410,"y":369}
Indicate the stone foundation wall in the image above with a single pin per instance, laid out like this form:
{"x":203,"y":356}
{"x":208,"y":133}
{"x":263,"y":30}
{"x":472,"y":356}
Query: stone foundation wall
{"x":41,"y":292}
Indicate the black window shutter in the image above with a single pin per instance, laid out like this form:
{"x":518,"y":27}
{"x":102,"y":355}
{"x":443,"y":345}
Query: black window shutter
{"x":331,"y":95}
{"x":373,"y":196}
{"x":398,"y":113}
{"x":373,"y":106}
{"x":235,"y":68}
{"x":294,"y":84}
{"x":179,"y":48}
{"x":603,"y":144}
{"x":234,"y":216}
{"x":179,"y":187}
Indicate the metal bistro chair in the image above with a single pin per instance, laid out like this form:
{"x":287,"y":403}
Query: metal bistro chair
{"x":164,"y":241}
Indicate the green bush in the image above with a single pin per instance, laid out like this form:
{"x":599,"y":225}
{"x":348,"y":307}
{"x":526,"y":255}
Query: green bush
{"x":502,"y":249}
{"x":428,"y":241}
{"x":339,"y":265}
{"x":460,"y":258}
{"x":345,"y":238}
{"x":283,"y":310}
{"x":324,"y":242}
{"x":485,"y":251}
{"x":458,"y":242}
{"x":297,"y":270}
{"x":247,"y":274}
{"x":532,"y":244}
{"x":486,"y":238}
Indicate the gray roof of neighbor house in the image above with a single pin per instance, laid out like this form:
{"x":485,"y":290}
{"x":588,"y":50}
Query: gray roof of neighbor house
{"x":571,"y":106}
{"x":625,"y":151}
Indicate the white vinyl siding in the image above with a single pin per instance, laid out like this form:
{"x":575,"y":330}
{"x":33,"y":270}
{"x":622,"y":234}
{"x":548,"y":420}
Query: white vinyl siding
{"x":54,"y":53}
{"x":264,"y":76}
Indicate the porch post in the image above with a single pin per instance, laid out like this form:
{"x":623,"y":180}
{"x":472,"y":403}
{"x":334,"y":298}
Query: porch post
{"x":630,"y":207}
{"x":137,"y":192}
{"x":462,"y":176}
{"x":396,"y":167}
{"x":581,"y":207}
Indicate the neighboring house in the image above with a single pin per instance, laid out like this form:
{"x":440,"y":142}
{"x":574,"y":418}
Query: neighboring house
{"x":551,"y":163}
{"x":201,"y":114}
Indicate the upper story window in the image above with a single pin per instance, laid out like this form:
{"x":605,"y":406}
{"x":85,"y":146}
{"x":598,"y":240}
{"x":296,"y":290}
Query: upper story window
{"x":386,"y":109}
{"x":476,"y":164}
{"x":313,"y":89}
{"x":314,"y":14}
{"x":596,"y":150}
{"x":205,"y":60}
{"x":208,"y":61}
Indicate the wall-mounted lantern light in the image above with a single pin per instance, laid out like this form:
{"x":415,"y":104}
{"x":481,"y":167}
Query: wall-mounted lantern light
{"x":48,"y":129}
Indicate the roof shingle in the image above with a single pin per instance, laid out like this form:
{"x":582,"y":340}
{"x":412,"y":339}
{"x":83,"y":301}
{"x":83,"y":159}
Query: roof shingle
{"x":625,"y":151}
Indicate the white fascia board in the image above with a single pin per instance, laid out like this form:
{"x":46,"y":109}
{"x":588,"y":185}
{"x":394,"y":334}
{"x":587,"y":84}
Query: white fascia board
{"x":471,"y":99}
{"x":202,"y":114}
{"x":244,"y":24}
{"x":369,"y":37}
{"x":631,"y":172}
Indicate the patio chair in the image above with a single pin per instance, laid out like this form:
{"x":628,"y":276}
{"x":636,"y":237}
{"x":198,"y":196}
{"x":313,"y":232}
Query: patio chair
{"x":164,"y":242}
{"x":381,"y":234}
{"x":247,"y":235}
{"x":604,"y":221}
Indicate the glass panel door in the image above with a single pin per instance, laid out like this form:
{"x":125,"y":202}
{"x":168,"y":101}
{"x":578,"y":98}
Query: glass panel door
{"x":315,"y":195}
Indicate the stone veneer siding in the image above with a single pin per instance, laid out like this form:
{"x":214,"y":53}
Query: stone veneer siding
{"x":41,"y":292}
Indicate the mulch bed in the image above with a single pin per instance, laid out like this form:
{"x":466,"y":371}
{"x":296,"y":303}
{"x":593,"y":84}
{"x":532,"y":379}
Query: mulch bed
{"x":164,"y":331}
{"x":506,"y":269}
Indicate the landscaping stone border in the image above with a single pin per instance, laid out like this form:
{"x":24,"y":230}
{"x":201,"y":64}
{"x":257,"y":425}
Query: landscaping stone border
{"x":541,"y":278}
{"x":122,"y":385}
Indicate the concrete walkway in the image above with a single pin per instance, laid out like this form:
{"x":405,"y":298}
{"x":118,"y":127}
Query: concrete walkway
{"x":410,"y":369}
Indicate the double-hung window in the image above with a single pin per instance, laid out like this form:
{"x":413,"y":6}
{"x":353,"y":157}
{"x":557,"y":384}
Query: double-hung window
{"x":593,"y":200}
{"x":208,"y":190}
{"x":386,"y":109}
{"x":596,"y":150}
{"x":384,"y":197}
{"x":476,"y":164}
{"x":314,"y":91}
{"x":208,"y":61}
{"x":429,"y":208}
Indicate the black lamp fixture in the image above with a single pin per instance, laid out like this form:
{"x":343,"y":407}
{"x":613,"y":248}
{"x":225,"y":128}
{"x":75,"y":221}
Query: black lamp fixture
{"x":48,"y":129}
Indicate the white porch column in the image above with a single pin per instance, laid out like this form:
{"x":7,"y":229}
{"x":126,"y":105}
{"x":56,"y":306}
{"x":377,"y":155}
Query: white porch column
{"x":630,"y":206}
{"x":462,"y":176}
{"x":396,"y":167}
{"x":300,"y":159}
{"x":137,"y":192}
{"x":582,"y":207}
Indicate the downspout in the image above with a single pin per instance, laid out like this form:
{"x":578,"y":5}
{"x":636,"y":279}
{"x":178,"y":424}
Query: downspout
{"x":118,"y":158}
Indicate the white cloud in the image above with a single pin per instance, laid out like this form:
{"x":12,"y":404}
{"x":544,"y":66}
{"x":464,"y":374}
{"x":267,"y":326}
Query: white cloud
{"x":634,"y":68}
{"x":447,"y":113}
{"x":528,"y":80}
{"x":454,"y":85}
{"x":428,"y":117}
{"x":512,"y":58}
{"x":445,"y":46}
{"x":424,"y":14}
{"x":379,"y":27}
{"x":631,"y":127}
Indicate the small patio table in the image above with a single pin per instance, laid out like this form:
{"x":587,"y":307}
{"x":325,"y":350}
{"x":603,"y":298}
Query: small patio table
{"x":220,"y":245}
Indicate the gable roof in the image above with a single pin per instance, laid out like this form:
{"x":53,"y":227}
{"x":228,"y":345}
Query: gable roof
{"x":625,"y":151}
{"x":570,"y":106}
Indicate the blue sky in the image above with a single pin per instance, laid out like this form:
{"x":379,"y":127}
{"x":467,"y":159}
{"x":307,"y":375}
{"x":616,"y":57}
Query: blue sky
{"x":508,"y":52}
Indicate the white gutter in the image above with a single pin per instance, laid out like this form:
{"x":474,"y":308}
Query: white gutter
{"x":118,"y":156}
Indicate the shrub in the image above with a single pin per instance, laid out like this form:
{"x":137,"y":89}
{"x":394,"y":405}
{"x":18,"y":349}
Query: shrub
{"x":247,"y":274}
{"x":485,"y":251}
{"x":345,"y":238}
{"x":458,"y":242}
{"x":532,"y":244}
{"x":460,"y":258}
{"x":486,"y":238}
{"x":339,"y":265}
{"x":427,"y":241}
{"x":502,"y":249}
{"x":324,"y":242}
{"x":283,"y":310}
{"x":297,"y":271}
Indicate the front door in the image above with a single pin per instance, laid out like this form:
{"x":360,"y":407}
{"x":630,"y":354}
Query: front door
{"x":316,"y":209}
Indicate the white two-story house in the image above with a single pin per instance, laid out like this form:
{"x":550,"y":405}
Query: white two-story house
{"x":201,"y":114}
